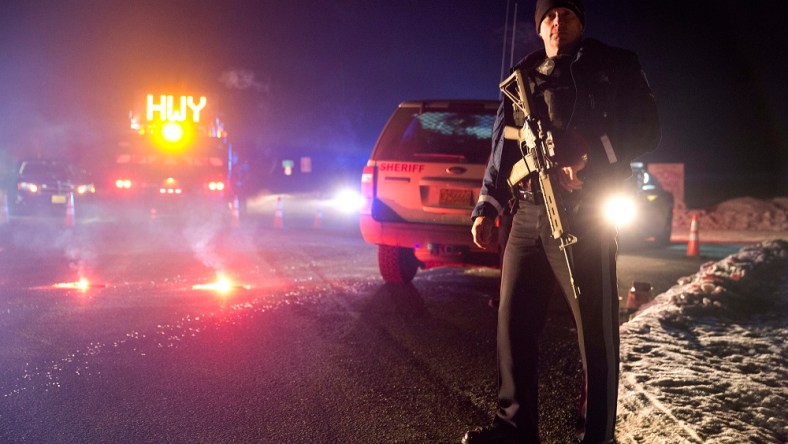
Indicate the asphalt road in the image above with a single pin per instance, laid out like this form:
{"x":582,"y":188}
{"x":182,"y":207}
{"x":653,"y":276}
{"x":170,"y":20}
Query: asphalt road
{"x":309,"y":346}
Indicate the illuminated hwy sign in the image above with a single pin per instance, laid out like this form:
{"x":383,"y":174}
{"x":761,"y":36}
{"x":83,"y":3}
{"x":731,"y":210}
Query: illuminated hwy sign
{"x":167,"y":111}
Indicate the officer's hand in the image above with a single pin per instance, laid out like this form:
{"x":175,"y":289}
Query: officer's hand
{"x":569,"y":179}
{"x":483,"y":231}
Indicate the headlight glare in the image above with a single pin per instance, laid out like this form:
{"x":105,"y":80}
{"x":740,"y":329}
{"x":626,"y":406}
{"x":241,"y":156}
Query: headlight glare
{"x":27,"y":186}
{"x":348,"y":200}
{"x":619,"y":210}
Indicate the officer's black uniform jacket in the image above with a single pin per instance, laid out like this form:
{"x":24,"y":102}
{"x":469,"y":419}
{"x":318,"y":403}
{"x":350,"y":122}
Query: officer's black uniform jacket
{"x":614,"y":112}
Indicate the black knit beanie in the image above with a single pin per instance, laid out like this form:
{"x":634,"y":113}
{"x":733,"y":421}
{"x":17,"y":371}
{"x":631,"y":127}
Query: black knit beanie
{"x":542,"y":6}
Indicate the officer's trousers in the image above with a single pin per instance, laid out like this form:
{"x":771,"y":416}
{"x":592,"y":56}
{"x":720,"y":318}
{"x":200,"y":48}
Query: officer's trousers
{"x":531,"y":266}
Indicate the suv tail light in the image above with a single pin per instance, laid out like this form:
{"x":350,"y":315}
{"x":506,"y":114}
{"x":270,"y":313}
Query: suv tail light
{"x":123,"y":184}
{"x":368,"y":188}
{"x":216,"y":185}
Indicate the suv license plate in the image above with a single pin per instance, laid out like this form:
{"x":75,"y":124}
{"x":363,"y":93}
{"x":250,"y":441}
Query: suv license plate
{"x":58,"y":198}
{"x":456,"y":198}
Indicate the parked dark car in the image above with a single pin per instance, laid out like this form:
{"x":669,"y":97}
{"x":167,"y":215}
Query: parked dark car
{"x":643,"y":211}
{"x":43,"y":185}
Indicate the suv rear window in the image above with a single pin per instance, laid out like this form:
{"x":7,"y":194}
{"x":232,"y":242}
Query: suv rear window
{"x":416,"y":134}
{"x":44,"y":168}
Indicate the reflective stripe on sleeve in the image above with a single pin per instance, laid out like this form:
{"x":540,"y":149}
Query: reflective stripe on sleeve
{"x":491,"y":200}
{"x":611,"y":154}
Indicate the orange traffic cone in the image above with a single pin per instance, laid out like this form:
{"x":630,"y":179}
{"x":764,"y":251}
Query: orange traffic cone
{"x":693,"y":246}
{"x":279,"y":215}
{"x":318,"y":223}
{"x":4,"y":218}
{"x":638,"y":295}
{"x":70,"y":214}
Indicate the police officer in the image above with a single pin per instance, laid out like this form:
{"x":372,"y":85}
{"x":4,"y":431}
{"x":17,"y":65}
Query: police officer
{"x":596,"y":101}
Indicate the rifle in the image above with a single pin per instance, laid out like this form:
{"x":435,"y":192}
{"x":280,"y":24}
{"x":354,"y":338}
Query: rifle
{"x":537,"y":149}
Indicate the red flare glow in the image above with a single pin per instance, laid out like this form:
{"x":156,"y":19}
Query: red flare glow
{"x":82,"y":285}
{"x":222,"y":285}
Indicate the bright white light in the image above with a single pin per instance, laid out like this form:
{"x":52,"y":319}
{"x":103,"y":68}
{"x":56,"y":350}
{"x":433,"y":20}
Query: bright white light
{"x":27,"y":186}
{"x":84,"y":189}
{"x":223,"y":285}
{"x":172,"y":132}
{"x":620,"y":210}
{"x":83,"y":284}
{"x":349,"y":201}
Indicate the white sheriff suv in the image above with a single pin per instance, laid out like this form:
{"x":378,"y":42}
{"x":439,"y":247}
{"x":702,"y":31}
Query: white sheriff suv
{"x":421,"y":184}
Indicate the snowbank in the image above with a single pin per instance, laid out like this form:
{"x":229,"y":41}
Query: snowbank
{"x":706,"y":362}
{"x":743,"y":213}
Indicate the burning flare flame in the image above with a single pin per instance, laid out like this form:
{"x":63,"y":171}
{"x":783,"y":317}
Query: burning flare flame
{"x":82,"y":285}
{"x":222,"y":285}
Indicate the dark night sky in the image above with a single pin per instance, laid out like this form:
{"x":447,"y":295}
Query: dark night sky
{"x":325,"y":74}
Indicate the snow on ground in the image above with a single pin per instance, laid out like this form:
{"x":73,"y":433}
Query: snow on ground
{"x":742,"y":213}
{"x":739,"y":220}
{"x":706,"y":361}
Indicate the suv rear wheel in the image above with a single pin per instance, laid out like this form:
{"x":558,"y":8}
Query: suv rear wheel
{"x":397,"y":265}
